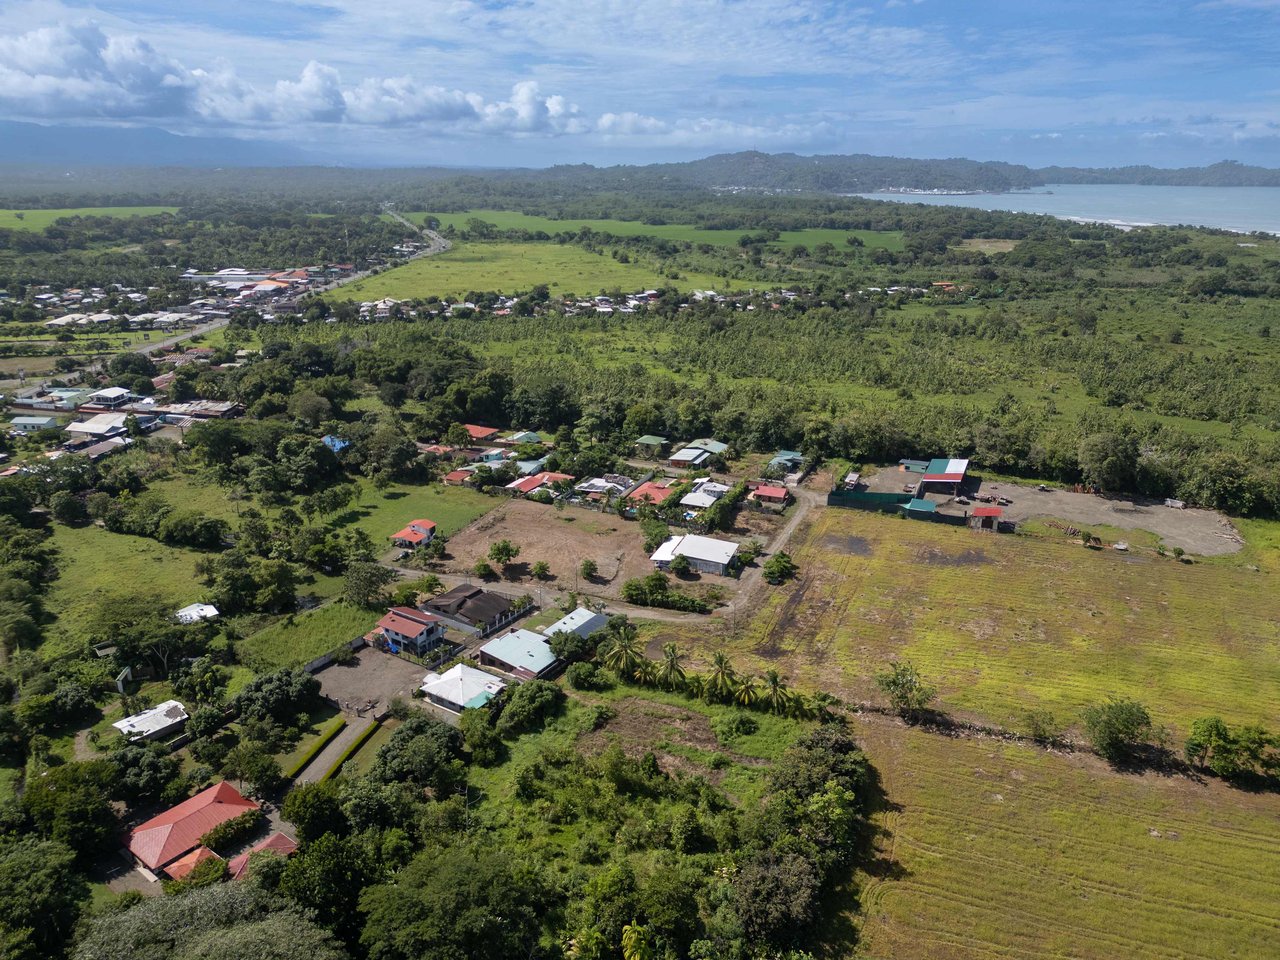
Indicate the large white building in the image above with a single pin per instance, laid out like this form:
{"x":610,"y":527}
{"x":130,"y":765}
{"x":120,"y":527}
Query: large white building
{"x":705,"y":554}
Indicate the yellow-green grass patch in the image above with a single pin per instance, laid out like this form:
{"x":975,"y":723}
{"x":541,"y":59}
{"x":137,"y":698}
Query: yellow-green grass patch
{"x":380,"y":513}
{"x":1002,"y":624}
{"x":33,"y":220}
{"x":994,"y":851}
{"x":302,"y":637}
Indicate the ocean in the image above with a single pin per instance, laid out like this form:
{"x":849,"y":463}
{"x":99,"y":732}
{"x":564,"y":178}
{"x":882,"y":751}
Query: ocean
{"x":1242,"y":209}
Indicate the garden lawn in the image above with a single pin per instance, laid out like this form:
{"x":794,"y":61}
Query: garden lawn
{"x":382,"y":513}
{"x":995,"y":851}
{"x":324,"y":719}
{"x":96,"y":567}
{"x":35,"y":220}
{"x":301,"y":638}
{"x":360,"y":761}
{"x":516,"y":268}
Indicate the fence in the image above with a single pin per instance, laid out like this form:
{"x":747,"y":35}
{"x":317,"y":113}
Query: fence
{"x":319,"y":663}
{"x":867,"y":500}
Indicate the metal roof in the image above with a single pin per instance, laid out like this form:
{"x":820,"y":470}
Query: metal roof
{"x":521,"y":650}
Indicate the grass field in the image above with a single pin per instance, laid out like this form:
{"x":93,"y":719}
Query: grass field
{"x":97,"y":566}
{"x":514,"y":268}
{"x":382,"y":513}
{"x":1001,"y":624}
{"x":512,"y":220}
{"x":301,"y":638}
{"x":34,"y":220}
{"x":1002,"y":852}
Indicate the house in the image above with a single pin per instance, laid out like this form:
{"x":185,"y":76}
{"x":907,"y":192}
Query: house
{"x":456,"y":478}
{"x":416,"y":534}
{"x":194,"y":612}
{"x":461,"y":687}
{"x":651,"y":491}
{"x":705,"y":554}
{"x":528,"y":467}
{"x":112,"y":397}
{"x":102,"y":426}
{"x":184,"y":865}
{"x":768,"y":493}
{"x":603,"y":488}
{"x":527,"y":485}
{"x":481,"y":434}
{"x":581,"y":621}
{"x":705,"y":492}
{"x":688,"y":458}
{"x":522,"y":653}
{"x":713,"y":447}
{"x":786,"y":461}
{"x":154,"y":724}
{"x":32,"y":424}
{"x":520,"y":437}
{"x":163,"y":839}
{"x":277,"y":843}
{"x":99,"y":450}
{"x":650,"y":447}
{"x":411,"y":629}
{"x":336,"y":444}
{"x":480,"y":609}
{"x":491,"y":455}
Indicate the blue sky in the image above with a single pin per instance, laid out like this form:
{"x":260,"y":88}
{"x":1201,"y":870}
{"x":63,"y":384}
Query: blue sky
{"x":534,"y":82}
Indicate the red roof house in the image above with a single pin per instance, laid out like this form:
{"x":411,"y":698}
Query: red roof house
{"x":184,"y":865}
{"x":987,"y":511}
{"x":277,"y":843}
{"x":767,"y":493}
{"x":456,"y":477}
{"x":650,"y":492}
{"x":415,"y":534}
{"x":178,"y":830}
{"x":527,"y":485}
{"x":481,"y":434}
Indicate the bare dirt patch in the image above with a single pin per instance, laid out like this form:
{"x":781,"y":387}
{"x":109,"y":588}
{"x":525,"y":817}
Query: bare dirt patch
{"x":372,"y":676}
{"x":1203,"y":532}
{"x":946,"y":558}
{"x":849,"y":544}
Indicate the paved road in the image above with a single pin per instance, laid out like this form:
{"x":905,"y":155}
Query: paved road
{"x":327,"y":757}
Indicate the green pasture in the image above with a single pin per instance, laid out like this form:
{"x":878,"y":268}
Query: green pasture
{"x":35,"y":220}
{"x":300,"y":638}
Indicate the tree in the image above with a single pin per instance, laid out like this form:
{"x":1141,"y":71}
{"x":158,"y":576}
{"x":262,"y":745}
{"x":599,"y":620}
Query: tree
{"x":588,"y":569}
{"x":680,"y":565}
{"x":775,"y":695}
{"x":721,"y":680}
{"x":570,"y":646}
{"x":458,"y":903}
{"x":779,"y":567}
{"x":747,"y":692}
{"x":223,"y":922}
{"x":423,"y":751}
{"x":315,"y":809}
{"x":907,"y":692}
{"x":1110,"y":460}
{"x":503,"y":552}
{"x":481,"y":737}
{"x":281,"y":695}
{"x":621,"y":650}
{"x":541,"y":569}
{"x":635,"y":943}
{"x":68,"y":508}
{"x":1117,"y":728}
{"x":776,"y":896}
{"x":203,"y":682}
{"x":144,"y":771}
{"x":670,"y":670}
{"x":482,"y":570}
{"x":41,"y":894}
{"x":529,"y":706}
{"x":252,"y":765}
{"x":69,"y":804}
{"x":363,"y":584}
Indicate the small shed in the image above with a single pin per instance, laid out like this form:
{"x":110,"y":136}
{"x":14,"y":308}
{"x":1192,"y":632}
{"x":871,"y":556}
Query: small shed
{"x":650,"y":447}
{"x":985,"y":518}
{"x":921,"y":509}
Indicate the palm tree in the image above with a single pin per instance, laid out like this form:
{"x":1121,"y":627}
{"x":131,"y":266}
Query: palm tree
{"x":670,"y":669}
{"x":695,"y":685}
{"x":645,"y":672}
{"x":621,"y":650}
{"x":776,"y":695}
{"x":747,"y":692}
{"x":799,"y":707}
{"x":721,"y":681}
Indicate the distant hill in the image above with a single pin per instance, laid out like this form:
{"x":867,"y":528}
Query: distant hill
{"x":31,"y":143}
{"x":1227,"y":173}
{"x":856,"y":173}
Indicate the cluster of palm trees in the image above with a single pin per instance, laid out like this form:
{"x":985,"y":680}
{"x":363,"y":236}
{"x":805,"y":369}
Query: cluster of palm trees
{"x":622,"y":651}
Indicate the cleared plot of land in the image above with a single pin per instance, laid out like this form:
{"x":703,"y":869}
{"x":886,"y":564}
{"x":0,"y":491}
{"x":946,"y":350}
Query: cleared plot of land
{"x":372,"y":676}
{"x":1005,"y":623}
{"x":515,"y":268}
{"x":1002,"y":851}
{"x":39,"y":219}
{"x":563,"y":538}
{"x":512,"y":220}
{"x":987,"y":245}
{"x":301,"y":638}
{"x":382,"y":513}
{"x":97,"y":566}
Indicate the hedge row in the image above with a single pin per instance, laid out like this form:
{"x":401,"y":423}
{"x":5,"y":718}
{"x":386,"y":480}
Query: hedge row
{"x":314,"y":751}
{"x":348,"y":753}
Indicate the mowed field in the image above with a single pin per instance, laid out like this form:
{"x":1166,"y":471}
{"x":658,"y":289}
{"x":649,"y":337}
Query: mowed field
{"x":1001,"y":624}
{"x":34,"y":220}
{"x":516,"y":268}
{"x":994,"y":851}
{"x":513,"y":220}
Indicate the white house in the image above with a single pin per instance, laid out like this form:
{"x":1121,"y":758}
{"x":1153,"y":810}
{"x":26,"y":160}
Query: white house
{"x":704,"y":494}
{"x":194,"y":612}
{"x":461,"y":687}
{"x":159,"y":721}
{"x":111,"y":397}
{"x":32,"y":424}
{"x":581,"y":621}
{"x":705,"y":554}
{"x":407,"y":627}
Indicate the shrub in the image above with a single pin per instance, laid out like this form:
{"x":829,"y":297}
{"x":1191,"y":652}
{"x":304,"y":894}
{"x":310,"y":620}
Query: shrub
{"x":529,"y":706}
{"x":1117,"y":728}
{"x":587,"y":676}
{"x":733,"y":725}
{"x":779,"y":567}
{"x":907,"y":692}
{"x":232,"y":832}
{"x":570,"y":646}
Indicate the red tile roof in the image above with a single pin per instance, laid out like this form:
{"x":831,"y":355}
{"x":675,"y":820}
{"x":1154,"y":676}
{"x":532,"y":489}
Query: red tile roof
{"x":277,"y":843}
{"x":184,"y":865}
{"x":650,"y":491}
{"x":168,"y":836}
{"x":480,"y":433}
{"x":407,"y":621}
{"x":412,"y":535}
{"x":768,"y":491}
{"x":987,"y":511}
{"x":456,"y":476}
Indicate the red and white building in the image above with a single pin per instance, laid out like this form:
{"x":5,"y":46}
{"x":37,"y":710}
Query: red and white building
{"x":418,"y":533}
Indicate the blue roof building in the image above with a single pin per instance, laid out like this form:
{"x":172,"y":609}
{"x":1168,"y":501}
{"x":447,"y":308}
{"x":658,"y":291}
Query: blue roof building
{"x":520,"y":652}
{"x":336,"y":444}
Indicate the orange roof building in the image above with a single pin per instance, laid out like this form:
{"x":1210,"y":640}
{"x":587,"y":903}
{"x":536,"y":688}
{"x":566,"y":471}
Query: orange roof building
{"x":165,"y":838}
{"x":184,"y":865}
{"x":480,"y":434}
{"x":415,"y":534}
{"x":277,"y":843}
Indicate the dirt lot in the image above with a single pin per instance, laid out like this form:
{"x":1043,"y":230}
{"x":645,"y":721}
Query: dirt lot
{"x":563,"y":538}
{"x":372,"y":676}
{"x":1202,"y":532}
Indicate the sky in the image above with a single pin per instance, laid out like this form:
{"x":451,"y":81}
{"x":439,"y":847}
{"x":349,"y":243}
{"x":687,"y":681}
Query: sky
{"x":538,"y":82}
